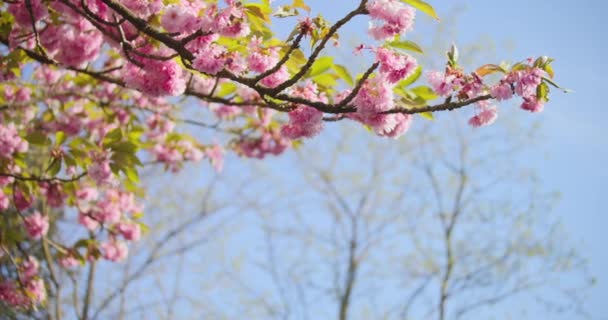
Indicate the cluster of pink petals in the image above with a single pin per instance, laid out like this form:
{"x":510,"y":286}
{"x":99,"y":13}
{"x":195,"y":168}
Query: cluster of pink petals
{"x":182,"y":18}
{"x":373,"y":99}
{"x":36,"y":225}
{"x":375,"y":96}
{"x":114,"y":250}
{"x":53,"y":193}
{"x":129,"y":230}
{"x":443,"y":84}
{"x":260,"y":59}
{"x":175,"y":153}
{"x":156,"y":77}
{"x":32,"y":293}
{"x":277,"y":78}
{"x":524,"y":84}
{"x":74,"y":44}
{"x":210,"y":59}
{"x":10,"y":141}
{"x":5,"y":201}
{"x":22,"y":15}
{"x":100,"y":170}
{"x":29,"y":267}
{"x":305,"y":121}
{"x":395,"y":66}
{"x":108,"y":210}
{"x":502,"y":91}
{"x":215,"y":154}
{"x":270,"y":143}
{"x":485,"y":116}
{"x":396,"y":17}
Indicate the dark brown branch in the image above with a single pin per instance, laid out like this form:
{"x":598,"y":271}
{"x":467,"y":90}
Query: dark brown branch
{"x":294,"y":46}
{"x":41,"y":179}
{"x":315,"y":54}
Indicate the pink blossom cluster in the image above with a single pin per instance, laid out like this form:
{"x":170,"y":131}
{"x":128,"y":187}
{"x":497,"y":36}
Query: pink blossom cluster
{"x":10,"y":141}
{"x":395,"y":66}
{"x":305,"y":121}
{"x":156,"y":77}
{"x":22,"y":15}
{"x":396,"y":18}
{"x":36,"y":225}
{"x":271,"y":142}
{"x":522,"y":82}
{"x":28,"y":290}
{"x":33,"y":292}
{"x":375,"y":98}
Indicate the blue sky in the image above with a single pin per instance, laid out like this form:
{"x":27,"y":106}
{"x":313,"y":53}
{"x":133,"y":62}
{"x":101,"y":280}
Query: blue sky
{"x":573,"y":124}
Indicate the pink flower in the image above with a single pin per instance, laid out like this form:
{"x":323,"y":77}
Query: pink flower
{"x":36,"y":225}
{"x":260,"y":61}
{"x":68,"y":261}
{"x":396,"y":16}
{"x":114,"y":250}
{"x":10,"y":141}
{"x":532,"y":104}
{"x":486,"y":116}
{"x":399,"y":125}
{"x":22,"y":201}
{"x":180,"y":18}
{"x":53,"y":193}
{"x":88,"y":222}
{"x":36,"y":290}
{"x":210,"y":59}
{"x":216,"y":156}
{"x":527,"y":81}
{"x":4,"y":201}
{"x":101,"y":172}
{"x":395,"y":66}
{"x":129,"y":230}
{"x":30,"y":267}
{"x":304,"y":122}
{"x":87,"y":194}
{"x":276,"y":78}
{"x":502,"y":91}
{"x":22,"y":15}
{"x":156,"y":78}
{"x":74,"y":44}
{"x":442,"y":84}
{"x":375,"y":96}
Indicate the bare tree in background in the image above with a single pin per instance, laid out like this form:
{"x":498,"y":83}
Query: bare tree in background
{"x":433,"y":229}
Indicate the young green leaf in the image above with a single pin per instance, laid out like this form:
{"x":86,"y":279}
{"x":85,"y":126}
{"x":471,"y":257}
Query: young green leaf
{"x":423,"y":6}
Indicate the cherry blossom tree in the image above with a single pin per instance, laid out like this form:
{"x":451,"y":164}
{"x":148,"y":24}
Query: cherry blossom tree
{"x":94,"y":90}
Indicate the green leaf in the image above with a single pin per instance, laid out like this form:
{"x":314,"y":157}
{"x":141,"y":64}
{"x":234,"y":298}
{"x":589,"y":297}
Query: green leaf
{"x":424,"y":92}
{"x":489,"y":69}
{"x":542,"y":92}
{"x":326,"y":80}
{"x":60,"y":137}
{"x":553,"y":83}
{"x":131,"y":174}
{"x":412,"y":78}
{"x":321,"y":65}
{"x":427,"y":115}
{"x":125,"y":146}
{"x":54,"y":168}
{"x":423,"y":6}
{"x":38,"y":138}
{"x":300,"y":4}
{"x":406,"y":45}
{"x":343,"y":72}
{"x":226,"y":89}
